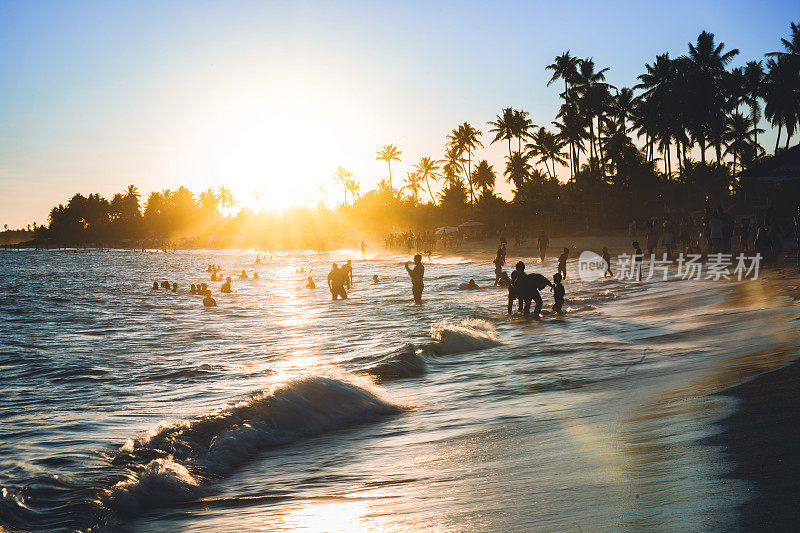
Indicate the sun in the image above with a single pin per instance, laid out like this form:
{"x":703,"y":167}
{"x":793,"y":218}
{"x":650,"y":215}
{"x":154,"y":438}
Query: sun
{"x":281,"y":150}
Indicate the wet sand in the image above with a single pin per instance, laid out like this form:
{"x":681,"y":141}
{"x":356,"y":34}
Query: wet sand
{"x":760,"y":437}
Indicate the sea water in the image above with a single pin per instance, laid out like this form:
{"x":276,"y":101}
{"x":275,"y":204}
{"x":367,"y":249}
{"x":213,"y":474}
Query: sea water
{"x":131,"y":409}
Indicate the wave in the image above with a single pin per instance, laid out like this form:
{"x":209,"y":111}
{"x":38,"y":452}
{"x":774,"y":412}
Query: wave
{"x":171,"y":463}
{"x":468,"y":335}
{"x":405,"y":362}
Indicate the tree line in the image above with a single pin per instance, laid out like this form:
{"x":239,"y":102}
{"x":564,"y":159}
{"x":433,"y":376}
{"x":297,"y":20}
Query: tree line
{"x":677,"y":137}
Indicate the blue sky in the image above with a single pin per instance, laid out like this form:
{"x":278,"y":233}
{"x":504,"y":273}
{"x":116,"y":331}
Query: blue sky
{"x":270,"y":97}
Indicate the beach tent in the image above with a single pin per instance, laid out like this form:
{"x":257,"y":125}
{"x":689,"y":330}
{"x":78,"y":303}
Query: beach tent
{"x":472,"y":230}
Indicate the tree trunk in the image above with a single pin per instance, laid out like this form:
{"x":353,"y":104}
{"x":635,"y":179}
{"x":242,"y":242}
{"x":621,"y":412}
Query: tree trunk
{"x":778,"y":140}
{"x":390,"y":175}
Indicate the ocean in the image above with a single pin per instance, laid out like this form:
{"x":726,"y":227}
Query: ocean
{"x":131,"y":409}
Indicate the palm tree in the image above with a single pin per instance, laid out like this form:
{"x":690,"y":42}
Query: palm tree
{"x":133,"y":192}
{"x":548,"y":147}
{"x":622,"y":106}
{"x":594,"y":97}
{"x":389,"y":153}
{"x":208,"y":201}
{"x":753,"y":87}
{"x":413,"y":184}
{"x":565,"y":67}
{"x":791,"y":45}
{"x":782,"y":107}
{"x":708,"y":62}
{"x":465,"y":139}
{"x":225,"y":197}
{"x":428,"y":169}
{"x":521,"y":125}
{"x":484,"y":177}
{"x":517,"y":170}
{"x":342,"y":175}
{"x":737,"y":137}
{"x":354,"y":187}
{"x":503,"y":127}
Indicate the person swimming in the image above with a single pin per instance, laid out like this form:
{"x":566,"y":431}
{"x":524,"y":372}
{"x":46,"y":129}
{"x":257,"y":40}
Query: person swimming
{"x":310,"y":283}
{"x":193,"y":289}
{"x":471,"y":285}
{"x":210,"y":268}
{"x":165,"y":285}
{"x":174,"y":287}
{"x":208,"y":301}
{"x":243,"y":275}
{"x":417,"y":274}
{"x":226,"y":287}
{"x":562,"y":263}
{"x":255,"y":276}
{"x":155,"y":285}
{"x":214,"y":276}
{"x":558,"y":294}
{"x":258,"y":259}
{"x":336,"y":282}
{"x":375,"y":279}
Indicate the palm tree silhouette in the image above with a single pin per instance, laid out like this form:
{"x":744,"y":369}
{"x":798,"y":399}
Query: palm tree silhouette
{"x":565,"y":67}
{"x":503,"y":127}
{"x":781,"y":107}
{"x":225,"y":197}
{"x":389,"y":153}
{"x":484,"y":177}
{"x":517,"y":170}
{"x":548,"y":147}
{"x":737,"y":137}
{"x":465,"y":139}
{"x":753,"y":87}
{"x":413,"y":184}
{"x":354,"y":187}
{"x":428,"y":169}
{"x":342,"y":176}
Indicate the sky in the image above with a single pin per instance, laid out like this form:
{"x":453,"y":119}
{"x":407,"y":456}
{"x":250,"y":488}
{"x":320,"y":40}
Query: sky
{"x":270,"y":98}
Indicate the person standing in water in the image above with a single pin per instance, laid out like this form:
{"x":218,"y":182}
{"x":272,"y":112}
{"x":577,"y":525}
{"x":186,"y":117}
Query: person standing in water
{"x":544,"y":241}
{"x":363,"y":250}
{"x":562,"y":263}
{"x":347,"y":269}
{"x":637,"y":261}
{"x":558,"y":294}
{"x":417,"y":273}
{"x":336,"y":281}
{"x":607,"y":259}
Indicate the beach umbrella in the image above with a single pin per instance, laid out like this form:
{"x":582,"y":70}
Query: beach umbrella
{"x":444,"y":230}
{"x":471,"y":224}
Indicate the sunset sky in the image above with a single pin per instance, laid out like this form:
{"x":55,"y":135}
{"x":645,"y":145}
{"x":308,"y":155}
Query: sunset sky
{"x":270,"y":97}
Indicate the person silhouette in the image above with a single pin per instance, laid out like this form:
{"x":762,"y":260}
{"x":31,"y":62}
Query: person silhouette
{"x":558,"y":294}
{"x":562,"y":263}
{"x":336,"y":282}
{"x":544,"y":241}
{"x":416,"y":274}
{"x":226,"y":287}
